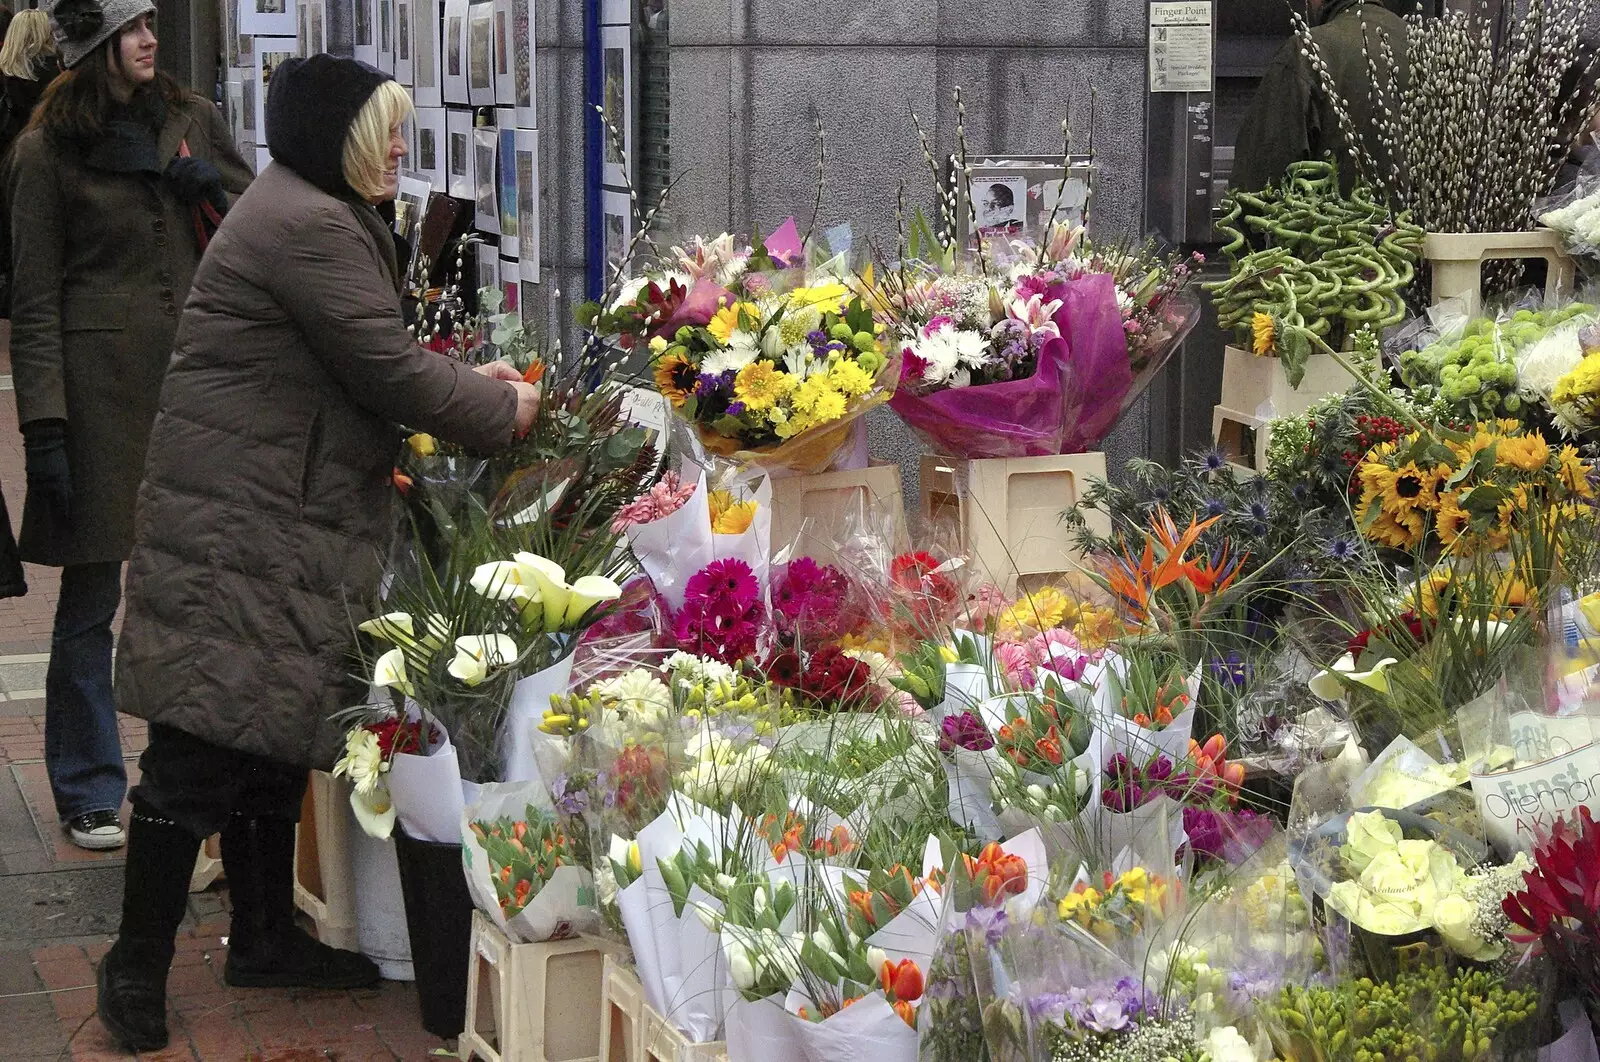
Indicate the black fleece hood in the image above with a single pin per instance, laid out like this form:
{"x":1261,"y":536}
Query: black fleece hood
{"x":311,"y":104}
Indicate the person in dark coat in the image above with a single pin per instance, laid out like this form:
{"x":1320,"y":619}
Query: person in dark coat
{"x":101,"y":191}
{"x":28,"y":63}
{"x":262,"y":522}
{"x":1292,"y":119}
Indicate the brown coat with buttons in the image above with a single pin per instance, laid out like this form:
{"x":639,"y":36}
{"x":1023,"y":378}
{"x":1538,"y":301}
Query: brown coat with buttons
{"x":266,"y":507}
{"x":103,"y":264}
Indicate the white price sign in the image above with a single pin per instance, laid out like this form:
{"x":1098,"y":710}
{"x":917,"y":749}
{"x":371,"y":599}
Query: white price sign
{"x":1180,"y":46}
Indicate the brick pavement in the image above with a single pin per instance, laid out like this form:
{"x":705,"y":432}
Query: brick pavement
{"x":47,"y":1013}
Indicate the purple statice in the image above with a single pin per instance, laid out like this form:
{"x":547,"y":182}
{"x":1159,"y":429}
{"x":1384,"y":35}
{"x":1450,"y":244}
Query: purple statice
{"x":711,"y":386}
{"x":735,"y":409}
{"x":817,"y":338}
{"x":964,"y":731}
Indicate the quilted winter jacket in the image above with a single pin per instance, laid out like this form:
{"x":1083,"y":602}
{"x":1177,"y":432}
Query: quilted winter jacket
{"x":266,"y":504}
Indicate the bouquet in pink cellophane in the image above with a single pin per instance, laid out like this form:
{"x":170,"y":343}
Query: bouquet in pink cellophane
{"x":1031,"y":349}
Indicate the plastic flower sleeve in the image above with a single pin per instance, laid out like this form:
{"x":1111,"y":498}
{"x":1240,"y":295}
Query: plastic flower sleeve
{"x":679,"y":544}
{"x":521,"y":869}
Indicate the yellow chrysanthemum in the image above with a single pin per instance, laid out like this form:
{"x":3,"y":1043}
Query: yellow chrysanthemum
{"x":1039,"y":611}
{"x":829,"y":297}
{"x":761,"y":384}
{"x":851,"y":379}
{"x":1097,"y":627}
{"x":798,"y":324}
{"x":1574,"y":472}
{"x":726,"y":320}
{"x":818,"y":398}
{"x":1264,"y":333}
{"x":1528,"y":453}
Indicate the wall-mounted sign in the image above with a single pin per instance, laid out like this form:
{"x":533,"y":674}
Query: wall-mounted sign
{"x":1180,"y":46}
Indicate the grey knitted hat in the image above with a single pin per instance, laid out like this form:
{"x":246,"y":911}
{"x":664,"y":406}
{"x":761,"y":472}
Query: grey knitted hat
{"x":81,"y":26}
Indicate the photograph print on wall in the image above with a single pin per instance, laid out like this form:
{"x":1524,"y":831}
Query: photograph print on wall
{"x":617,"y":101}
{"x":480,"y":53}
{"x":454,"y":52}
{"x":506,"y":181}
{"x":528,"y":203}
{"x":458,"y":128}
{"x":268,"y":18}
{"x":523,"y":56}
{"x":485,"y":144}
{"x":270,"y":53}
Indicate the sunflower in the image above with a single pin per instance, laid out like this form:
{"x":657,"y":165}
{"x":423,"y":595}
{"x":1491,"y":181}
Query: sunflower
{"x":1452,"y":523}
{"x":1264,"y":333}
{"x":1529,"y":453}
{"x":675,"y":377}
{"x":1398,"y":530}
{"x":760,"y":384}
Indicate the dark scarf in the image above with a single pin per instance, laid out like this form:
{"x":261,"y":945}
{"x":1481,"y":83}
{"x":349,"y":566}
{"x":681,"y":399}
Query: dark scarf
{"x":127,"y":141}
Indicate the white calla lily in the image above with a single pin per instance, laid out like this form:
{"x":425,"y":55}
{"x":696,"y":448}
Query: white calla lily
{"x":477,"y":654}
{"x":1330,"y":684}
{"x":390,"y":671}
{"x":395,"y":628}
{"x":374,"y":811}
{"x":586,"y":593}
{"x":505,"y":581}
{"x":550,"y":579}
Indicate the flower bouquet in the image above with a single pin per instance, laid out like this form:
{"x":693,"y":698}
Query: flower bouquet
{"x":522,"y":870}
{"x":371,"y":750}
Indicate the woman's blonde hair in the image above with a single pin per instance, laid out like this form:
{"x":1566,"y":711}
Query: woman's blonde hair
{"x":366,"y":146}
{"x":28,"y":38}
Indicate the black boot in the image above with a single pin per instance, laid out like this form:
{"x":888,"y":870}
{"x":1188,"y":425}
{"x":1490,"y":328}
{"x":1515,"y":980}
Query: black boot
{"x":267,"y":948}
{"x":133,"y":975}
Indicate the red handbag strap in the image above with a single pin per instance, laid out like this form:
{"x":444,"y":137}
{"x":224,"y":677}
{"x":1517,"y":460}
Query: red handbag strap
{"x":202,"y":212}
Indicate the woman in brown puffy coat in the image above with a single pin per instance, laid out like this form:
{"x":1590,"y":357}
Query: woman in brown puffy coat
{"x":262,"y":520}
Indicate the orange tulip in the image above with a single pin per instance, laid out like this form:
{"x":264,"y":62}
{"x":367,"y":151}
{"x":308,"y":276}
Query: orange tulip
{"x":907,"y":1013}
{"x":902,"y":980}
{"x":1050,"y":751}
{"x":535,"y":372}
{"x":862,"y":902}
{"x":1215,"y":747}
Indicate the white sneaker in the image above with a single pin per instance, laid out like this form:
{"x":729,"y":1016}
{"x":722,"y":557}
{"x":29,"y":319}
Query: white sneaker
{"x":97,"y":830}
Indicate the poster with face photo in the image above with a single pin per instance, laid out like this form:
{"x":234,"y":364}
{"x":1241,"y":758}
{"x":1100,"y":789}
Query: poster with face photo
{"x":506,"y":181}
{"x":480,"y":53}
{"x":268,"y":18}
{"x":402,"y":42}
{"x":616,"y":50}
{"x":425,"y":90}
{"x":616,"y":219}
{"x":270,"y":53}
{"x":1023,"y":195}
{"x":386,"y":36}
{"x":524,"y":52}
{"x":365,"y":32}
{"x":485,"y":145}
{"x":458,"y":153}
{"x":431,"y":139}
{"x":453,"y":52}
{"x":505,"y":65}
{"x":527,"y":152}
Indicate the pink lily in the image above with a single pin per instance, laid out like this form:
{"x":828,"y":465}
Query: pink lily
{"x":1036,"y":315}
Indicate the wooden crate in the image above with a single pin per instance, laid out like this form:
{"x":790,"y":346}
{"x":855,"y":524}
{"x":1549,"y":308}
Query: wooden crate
{"x":660,"y":1041}
{"x":207,"y":865}
{"x":534,"y":1002}
{"x":1241,"y":437}
{"x":1252,"y":384}
{"x":621,"y":1013}
{"x":1457,"y":261}
{"x":1009,"y":511}
{"x":825,"y":500}
{"x":324,"y":884}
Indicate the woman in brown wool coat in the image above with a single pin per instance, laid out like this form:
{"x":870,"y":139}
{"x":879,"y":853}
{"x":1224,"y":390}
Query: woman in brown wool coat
{"x":101,"y":191}
{"x":262,"y":518}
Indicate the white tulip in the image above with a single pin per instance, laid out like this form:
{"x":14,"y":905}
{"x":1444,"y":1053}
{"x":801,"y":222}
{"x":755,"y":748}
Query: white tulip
{"x":740,"y":968}
{"x":477,"y":654}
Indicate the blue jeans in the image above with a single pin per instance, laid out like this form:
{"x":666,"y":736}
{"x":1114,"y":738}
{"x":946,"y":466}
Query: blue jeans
{"x":82,"y":749}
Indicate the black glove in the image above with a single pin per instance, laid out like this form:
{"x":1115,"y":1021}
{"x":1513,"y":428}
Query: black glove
{"x":44,"y":451}
{"x":195,"y":181}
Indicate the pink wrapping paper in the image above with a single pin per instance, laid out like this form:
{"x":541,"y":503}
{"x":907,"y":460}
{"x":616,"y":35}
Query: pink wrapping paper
{"x":1068,"y":404}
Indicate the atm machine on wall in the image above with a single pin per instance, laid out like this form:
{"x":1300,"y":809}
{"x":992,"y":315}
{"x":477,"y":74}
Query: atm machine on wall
{"x":1191,"y":128}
